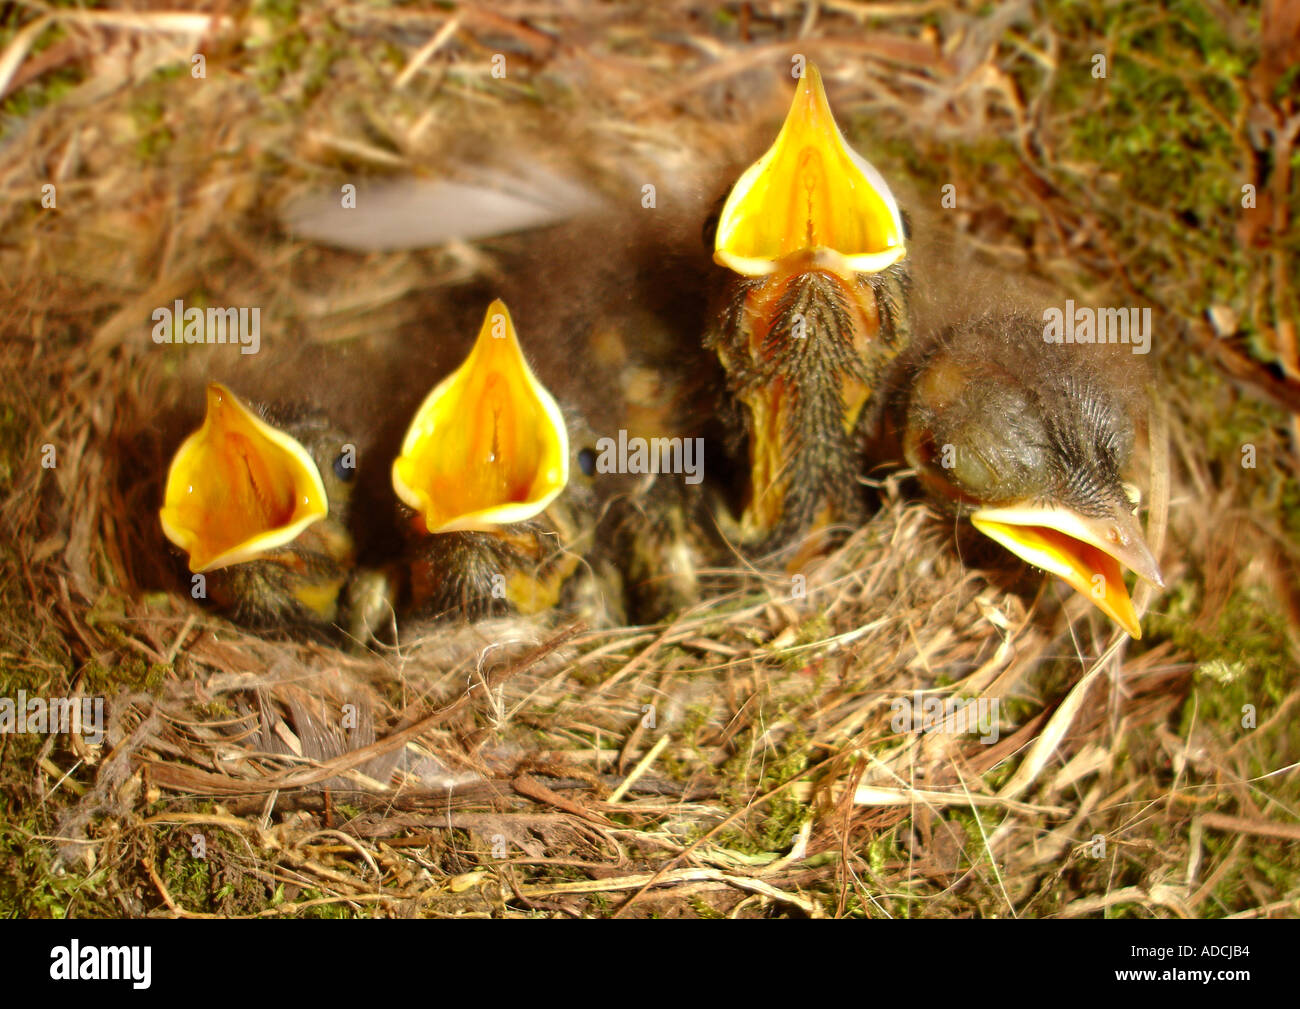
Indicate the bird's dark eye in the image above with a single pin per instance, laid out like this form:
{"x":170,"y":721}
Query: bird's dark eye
{"x":709,"y":233}
{"x":345,"y":465}
{"x":710,"y":230}
{"x":587,"y":461}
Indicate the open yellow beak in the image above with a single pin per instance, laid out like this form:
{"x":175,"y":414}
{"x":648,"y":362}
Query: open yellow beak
{"x":809,"y":192}
{"x":238,"y":487}
{"x":488,"y":446}
{"x":1087,"y":553}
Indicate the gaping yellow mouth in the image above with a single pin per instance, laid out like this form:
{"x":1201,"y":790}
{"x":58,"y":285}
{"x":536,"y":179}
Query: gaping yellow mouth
{"x":488,"y":446}
{"x":238,"y":487}
{"x":810,"y":192}
{"x":1085,"y":553}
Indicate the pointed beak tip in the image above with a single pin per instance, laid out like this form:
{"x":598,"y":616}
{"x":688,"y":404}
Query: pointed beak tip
{"x":219,"y":395}
{"x":1075,"y":550}
{"x":1128,"y":622}
{"x":810,"y":191}
{"x":479,"y":452}
{"x":1142,"y":562}
{"x":810,"y":89}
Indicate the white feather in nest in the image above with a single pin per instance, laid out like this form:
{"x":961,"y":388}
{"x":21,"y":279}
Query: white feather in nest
{"x":410,"y":213}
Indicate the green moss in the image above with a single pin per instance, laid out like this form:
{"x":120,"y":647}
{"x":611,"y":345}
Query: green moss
{"x":282,"y":56}
{"x":133,"y":672}
{"x":31,"y":884}
{"x":43,"y":91}
{"x":704,"y":909}
{"x":771,"y":828}
{"x":30,"y":888}
{"x":13,"y":442}
{"x":335,"y":911}
{"x":882,"y":849}
{"x":189,"y":879}
{"x":215,"y":710}
{"x":1248,"y":641}
{"x":797,"y":657}
{"x":149,"y":115}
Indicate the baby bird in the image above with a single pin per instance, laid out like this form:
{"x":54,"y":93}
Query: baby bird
{"x":813,"y":310}
{"x":260,"y":507}
{"x":480,"y":469}
{"x":1030,"y":440}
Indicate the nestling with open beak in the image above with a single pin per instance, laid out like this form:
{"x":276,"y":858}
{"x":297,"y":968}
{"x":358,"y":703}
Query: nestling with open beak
{"x":1030,"y":440}
{"x":481,"y":467}
{"x":814,"y":309}
{"x":260,"y":508}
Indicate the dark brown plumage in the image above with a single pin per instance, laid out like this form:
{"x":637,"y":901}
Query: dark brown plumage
{"x":813,"y":309}
{"x":799,"y":399}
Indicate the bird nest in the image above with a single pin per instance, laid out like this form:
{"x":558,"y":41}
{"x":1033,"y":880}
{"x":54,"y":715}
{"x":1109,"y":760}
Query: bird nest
{"x":746,"y":756}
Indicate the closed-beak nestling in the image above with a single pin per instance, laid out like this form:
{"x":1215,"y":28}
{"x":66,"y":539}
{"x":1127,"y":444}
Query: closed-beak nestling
{"x":1030,"y":439}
